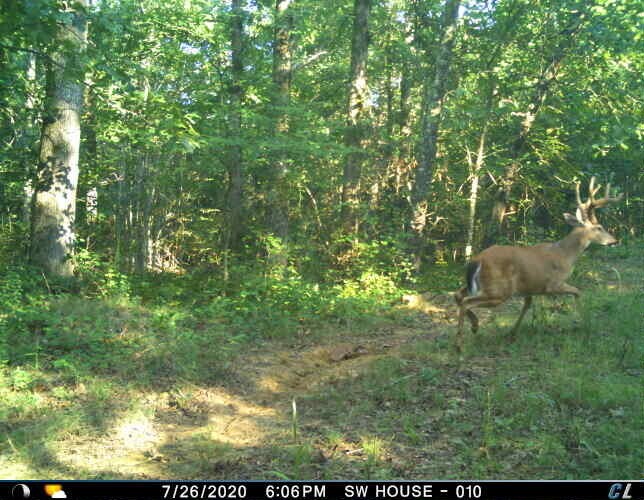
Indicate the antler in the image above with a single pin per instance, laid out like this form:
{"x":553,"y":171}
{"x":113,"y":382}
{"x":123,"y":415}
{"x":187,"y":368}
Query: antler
{"x":586,"y":210}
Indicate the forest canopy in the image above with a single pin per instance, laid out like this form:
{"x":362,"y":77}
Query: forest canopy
{"x":318,"y":134}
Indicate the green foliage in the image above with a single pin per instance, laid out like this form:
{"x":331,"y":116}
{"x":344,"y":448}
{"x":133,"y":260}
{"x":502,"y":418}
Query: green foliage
{"x":443,"y":278}
{"x":281,"y":306}
{"x":384,"y":254}
{"x":99,"y":277}
{"x":21,"y":303}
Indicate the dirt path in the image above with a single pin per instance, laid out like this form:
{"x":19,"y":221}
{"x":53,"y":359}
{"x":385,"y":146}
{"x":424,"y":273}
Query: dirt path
{"x":220,"y":430}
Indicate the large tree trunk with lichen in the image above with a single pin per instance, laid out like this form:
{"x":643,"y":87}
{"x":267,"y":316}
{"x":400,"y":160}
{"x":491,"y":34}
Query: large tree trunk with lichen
{"x":433,"y":97}
{"x":54,"y":203}
{"x":358,"y":111}
{"x":278,"y":195}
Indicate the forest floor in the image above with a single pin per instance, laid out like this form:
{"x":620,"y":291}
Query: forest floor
{"x":384,"y":398}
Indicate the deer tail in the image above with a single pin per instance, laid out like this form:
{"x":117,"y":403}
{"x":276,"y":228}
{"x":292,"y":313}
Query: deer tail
{"x":472,"y":273}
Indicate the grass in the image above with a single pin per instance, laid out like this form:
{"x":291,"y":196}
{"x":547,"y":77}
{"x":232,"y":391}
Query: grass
{"x":136,"y":385}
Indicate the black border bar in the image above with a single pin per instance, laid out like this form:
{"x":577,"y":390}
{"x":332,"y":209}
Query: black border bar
{"x":324,"y":490}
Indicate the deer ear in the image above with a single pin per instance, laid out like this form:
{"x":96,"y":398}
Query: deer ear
{"x":572,"y":220}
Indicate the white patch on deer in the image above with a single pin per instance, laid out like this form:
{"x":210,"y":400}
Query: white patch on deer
{"x":475,"y":280}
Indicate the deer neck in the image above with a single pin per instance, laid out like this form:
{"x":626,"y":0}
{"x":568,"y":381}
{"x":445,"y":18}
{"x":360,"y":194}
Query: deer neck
{"x":573,"y":245}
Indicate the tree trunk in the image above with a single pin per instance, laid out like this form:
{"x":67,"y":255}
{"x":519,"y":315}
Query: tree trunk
{"x":475,"y":169}
{"x":433,"y":97}
{"x":282,"y":69}
{"x":405,"y":92}
{"x":87,"y":208}
{"x":142,"y":215}
{"x":30,"y":103}
{"x":357,"y":114}
{"x":477,"y":165}
{"x":404,"y":146}
{"x":120,"y":218}
{"x":54,"y":207}
{"x":235,"y":166}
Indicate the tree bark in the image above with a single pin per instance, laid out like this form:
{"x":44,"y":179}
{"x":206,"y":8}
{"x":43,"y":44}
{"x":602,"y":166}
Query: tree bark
{"x":477,"y":165}
{"x":282,"y":70}
{"x":475,"y":169}
{"x":235,"y":165}
{"x":87,"y":208}
{"x":433,"y":97}
{"x":120,"y":218}
{"x":357,"y":114}
{"x":142,"y":215}
{"x":54,"y":206}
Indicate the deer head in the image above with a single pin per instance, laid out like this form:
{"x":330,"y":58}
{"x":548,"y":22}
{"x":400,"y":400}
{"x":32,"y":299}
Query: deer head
{"x":586,"y":216}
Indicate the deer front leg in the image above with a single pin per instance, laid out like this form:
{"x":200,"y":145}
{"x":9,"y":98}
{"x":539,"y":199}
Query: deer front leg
{"x":565,"y":289}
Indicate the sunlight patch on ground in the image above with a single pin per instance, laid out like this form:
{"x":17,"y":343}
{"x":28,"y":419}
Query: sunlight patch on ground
{"x":12,"y":469}
{"x":121,"y":450}
{"x":137,"y":433}
{"x":424,"y":302}
{"x":141,"y":445}
{"x":238,"y":422}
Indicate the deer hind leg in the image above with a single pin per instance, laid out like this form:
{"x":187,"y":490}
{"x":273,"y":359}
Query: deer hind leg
{"x":459,"y":296}
{"x":466,"y":304}
{"x":474,"y":321}
{"x":479,"y":301}
{"x":527,"y":302}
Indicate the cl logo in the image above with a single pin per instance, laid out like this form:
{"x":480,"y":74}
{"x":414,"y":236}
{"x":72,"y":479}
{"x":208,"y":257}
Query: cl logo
{"x":615,"y":492}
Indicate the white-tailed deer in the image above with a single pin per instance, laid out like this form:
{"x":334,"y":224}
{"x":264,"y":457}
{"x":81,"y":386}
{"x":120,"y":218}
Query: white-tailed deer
{"x":499,"y":272}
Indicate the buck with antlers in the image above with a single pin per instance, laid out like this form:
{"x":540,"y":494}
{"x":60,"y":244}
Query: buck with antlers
{"x":499,"y":272}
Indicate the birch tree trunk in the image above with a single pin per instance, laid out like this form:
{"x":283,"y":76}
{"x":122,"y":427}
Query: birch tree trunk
{"x":433,"y":97}
{"x":477,"y":165}
{"x":475,"y":169}
{"x":120,"y":222}
{"x":357,"y":113}
{"x":54,"y":206}
{"x":30,"y":103}
{"x":143,"y":206}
